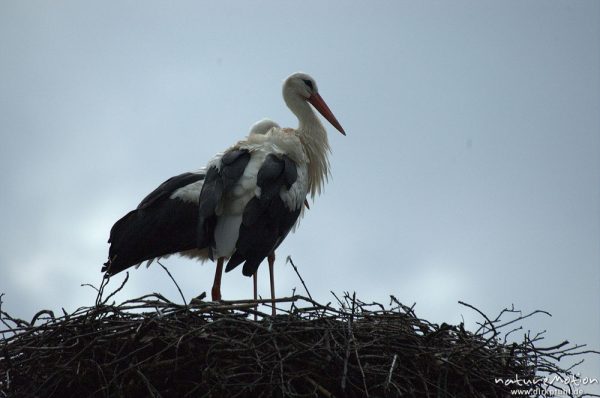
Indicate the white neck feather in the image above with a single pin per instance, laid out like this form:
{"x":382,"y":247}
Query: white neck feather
{"x":313,"y":136}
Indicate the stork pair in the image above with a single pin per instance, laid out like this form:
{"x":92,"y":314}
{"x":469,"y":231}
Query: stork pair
{"x":242,"y":205}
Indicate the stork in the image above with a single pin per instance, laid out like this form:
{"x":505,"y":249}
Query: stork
{"x":242,"y":205}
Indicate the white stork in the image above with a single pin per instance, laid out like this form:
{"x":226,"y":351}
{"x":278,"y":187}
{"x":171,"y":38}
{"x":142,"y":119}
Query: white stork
{"x":242,"y":205}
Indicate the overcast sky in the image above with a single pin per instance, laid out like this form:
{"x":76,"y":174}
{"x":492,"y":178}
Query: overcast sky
{"x":471,"y":168}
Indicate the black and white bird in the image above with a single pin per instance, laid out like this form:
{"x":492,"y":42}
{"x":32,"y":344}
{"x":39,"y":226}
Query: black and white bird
{"x":242,"y":205}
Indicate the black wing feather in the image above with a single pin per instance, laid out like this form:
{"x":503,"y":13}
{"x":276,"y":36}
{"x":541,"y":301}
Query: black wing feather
{"x":158,"y":226}
{"x":168,"y":187}
{"x":266,"y":220}
{"x":211,"y":193}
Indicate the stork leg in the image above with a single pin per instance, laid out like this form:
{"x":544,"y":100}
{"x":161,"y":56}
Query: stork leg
{"x":271,"y":260}
{"x":255,"y":293}
{"x":216,"y":289}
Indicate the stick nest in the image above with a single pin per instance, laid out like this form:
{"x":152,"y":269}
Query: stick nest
{"x":152,"y":347}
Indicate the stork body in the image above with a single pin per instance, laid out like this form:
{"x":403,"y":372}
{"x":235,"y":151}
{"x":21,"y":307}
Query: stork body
{"x":242,"y":205}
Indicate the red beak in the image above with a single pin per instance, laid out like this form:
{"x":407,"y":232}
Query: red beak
{"x":324,"y":110}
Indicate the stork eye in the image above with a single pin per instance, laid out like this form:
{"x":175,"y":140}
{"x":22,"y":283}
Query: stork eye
{"x":309,"y":84}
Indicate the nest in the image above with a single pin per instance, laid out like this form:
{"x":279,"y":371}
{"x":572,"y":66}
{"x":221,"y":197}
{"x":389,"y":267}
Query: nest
{"x":152,"y":347}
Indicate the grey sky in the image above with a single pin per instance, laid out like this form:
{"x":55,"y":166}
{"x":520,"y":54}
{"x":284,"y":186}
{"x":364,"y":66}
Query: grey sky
{"x":471,"y":169}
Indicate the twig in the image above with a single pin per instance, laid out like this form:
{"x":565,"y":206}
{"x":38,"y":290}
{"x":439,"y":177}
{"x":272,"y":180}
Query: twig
{"x":115,"y":292}
{"x":100,"y":290}
{"x":39,"y":314}
{"x":174,"y":281}
{"x":289,"y":259}
{"x":319,"y":387}
{"x":488,"y":322}
{"x":392,"y":366}
{"x":349,"y":339}
{"x":362,"y":371}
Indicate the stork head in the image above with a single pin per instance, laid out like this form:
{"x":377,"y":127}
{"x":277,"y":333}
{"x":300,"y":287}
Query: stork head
{"x":263,"y":126}
{"x":300,"y":85}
